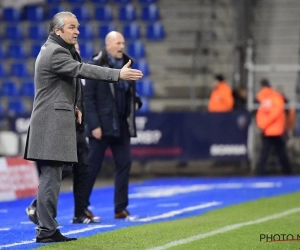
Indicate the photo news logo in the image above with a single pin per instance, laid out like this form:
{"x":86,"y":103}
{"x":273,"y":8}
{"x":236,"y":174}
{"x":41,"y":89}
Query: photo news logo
{"x":278,"y":237}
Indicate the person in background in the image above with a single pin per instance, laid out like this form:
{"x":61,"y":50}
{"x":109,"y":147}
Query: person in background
{"x":240,"y":98}
{"x":80,"y":172}
{"x":51,"y":136}
{"x":221,"y":99}
{"x":110,"y":121}
{"x":271,"y":120}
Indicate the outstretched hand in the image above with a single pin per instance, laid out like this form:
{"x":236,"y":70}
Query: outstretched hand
{"x":127,"y":73}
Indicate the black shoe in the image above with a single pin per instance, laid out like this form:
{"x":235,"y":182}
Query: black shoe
{"x":83,"y":219}
{"x":90,"y":215}
{"x":31,"y":213}
{"x":56,"y":237}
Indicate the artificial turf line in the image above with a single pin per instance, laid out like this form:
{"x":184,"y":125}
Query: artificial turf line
{"x":226,"y":229}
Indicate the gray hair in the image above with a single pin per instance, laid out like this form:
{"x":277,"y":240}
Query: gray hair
{"x":58,"y":21}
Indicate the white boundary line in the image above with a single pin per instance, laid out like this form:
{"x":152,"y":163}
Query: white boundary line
{"x":226,"y":229}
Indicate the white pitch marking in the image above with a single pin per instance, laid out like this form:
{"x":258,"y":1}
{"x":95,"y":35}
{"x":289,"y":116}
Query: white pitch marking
{"x":226,"y":229}
{"x":4,"y":229}
{"x":177,"y":212}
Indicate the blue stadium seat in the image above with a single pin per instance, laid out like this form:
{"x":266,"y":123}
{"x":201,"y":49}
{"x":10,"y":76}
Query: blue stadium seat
{"x":82,"y":13}
{"x":86,"y":31}
{"x":142,"y":65}
{"x":122,"y":1}
{"x":155,"y":31}
{"x":132,"y":31}
{"x":27,"y":89}
{"x":103,"y":13}
{"x":17,"y":51}
{"x":150,"y":13}
{"x":3,"y":71}
{"x":35,"y":49}
{"x":147,"y":1}
{"x":11,"y":15}
{"x":15,"y":107}
{"x":105,"y":29}
{"x":100,"y":1}
{"x":9,"y":89}
{"x":86,"y":50}
{"x":145,"y":107}
{"x":34,"y":13}
{"x":75,"y":1}
{"x":37,"y":31}
{"x":136,"y":49}
{"x":19,"y":70}
{"x":144,"y":87}
{"x":53,"y":10}
{"x":127,"y":13}
{"x":54,"y":1}
{"x":14,"y":32}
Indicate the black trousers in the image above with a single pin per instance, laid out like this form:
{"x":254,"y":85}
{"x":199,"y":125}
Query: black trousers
{"x":120,"y":147}
{"x":80,"y":175}
{"x":279,"y":144}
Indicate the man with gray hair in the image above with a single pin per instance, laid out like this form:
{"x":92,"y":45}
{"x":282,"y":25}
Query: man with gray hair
{"x":51,"y":137}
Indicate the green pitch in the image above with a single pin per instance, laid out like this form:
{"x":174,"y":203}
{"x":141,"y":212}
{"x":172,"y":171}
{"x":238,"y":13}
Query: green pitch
{"x":270,"y":223}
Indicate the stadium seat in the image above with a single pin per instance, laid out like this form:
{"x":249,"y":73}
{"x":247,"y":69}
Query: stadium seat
{"x":105,"y":29}
{"x":15,"y":107}
{"x":147,"y":1}
{"x":37,"y":31}
{"x":53,"y":10}
{"x":76,"y":1}
{"x":100,"y":1}
{"x":14,"y":32}
{"x":122,"y":1}
{"x":142,"y":65}
{"x":81,"y":12}
{"x":9,"y":89}
{"x":86,"y":50}
{"x":144,"y":87}
{"x":136,"y":49}
{"x":155,"y":31}
{"x":150,"y":13}
{"x":103,"y":13}
{"x":127,"y":13}
{"x":54,"y":1}
{"x":34,"y":13}
{"x":35,"y":49}
{"x":16,"y":51}
{"x":19,"y":70}
{"x":9,"y":143}
{"x":27,"y":89}
{"x":11,"y":14}
{"x":3,"y":71}
{"x":132,"y":31}
{"x":145,"y":107}
{"x":86,"y":31}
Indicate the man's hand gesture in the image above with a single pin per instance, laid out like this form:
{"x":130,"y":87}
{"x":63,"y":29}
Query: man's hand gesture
{"x":127,"y":73}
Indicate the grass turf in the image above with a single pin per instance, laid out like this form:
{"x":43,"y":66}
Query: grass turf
{"x":245,"y":237}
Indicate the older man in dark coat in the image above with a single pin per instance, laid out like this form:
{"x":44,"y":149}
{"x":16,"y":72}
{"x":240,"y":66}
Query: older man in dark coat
{"x":51,"y":139}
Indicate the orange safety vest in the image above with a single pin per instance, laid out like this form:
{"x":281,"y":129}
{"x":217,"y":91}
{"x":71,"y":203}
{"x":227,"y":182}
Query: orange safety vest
{"x":221,"y":99}
{"x":270,"y":116}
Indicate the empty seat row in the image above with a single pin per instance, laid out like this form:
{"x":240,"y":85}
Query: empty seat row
{"x":100,"y":1}
{"x":13,"y":107}
{"x":17,"y":69}
{"x":154,"y":31}
{"x":83,"y":13}
{"x":12,"y":89}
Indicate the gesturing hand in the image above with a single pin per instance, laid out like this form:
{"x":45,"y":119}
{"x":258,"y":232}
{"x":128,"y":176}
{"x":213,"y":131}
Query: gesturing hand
{"x":127,"y":73}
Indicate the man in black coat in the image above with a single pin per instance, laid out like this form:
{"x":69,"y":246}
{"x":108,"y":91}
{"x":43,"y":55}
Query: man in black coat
{"x":110,"y":121}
